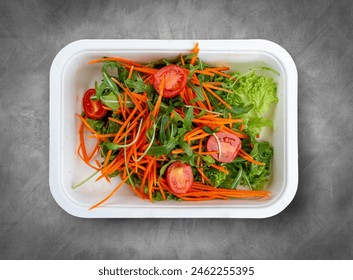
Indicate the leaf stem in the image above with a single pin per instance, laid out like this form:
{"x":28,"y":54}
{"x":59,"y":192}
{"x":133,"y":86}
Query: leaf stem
{"x":85,"y":180}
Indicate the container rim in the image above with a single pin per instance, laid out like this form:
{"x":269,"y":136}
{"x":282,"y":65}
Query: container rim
{"x":133,"y":45}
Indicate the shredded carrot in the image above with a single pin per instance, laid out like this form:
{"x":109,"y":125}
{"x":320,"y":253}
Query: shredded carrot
{"x":204,"y":72}
{"x":197,"y":137}
{"x":119,"y":59}
{"x":107,"y":108}
{"x":240,"y":135}
{"x":110,"y":195}
{"x":219,"y":88}
{"x":147,"y":70}
{"x":94,"y":151}
{"x":248,"y":157}
{"x":121,"y":106}
{"x":207,"y":100}
{"x":204,"y":176}
{"x":130,"y":73}
{"x":174,"y":152}
{"x":219,"y":73}
{"x":182,"y":59}
{"x":86,"y":123}
{"x":147,"y":79}
{"x":217,"y":97}
{"x":220,"y":168}
{"x":196,"y":52}
{"x":225,"y":68}
{"x":217,"y":121}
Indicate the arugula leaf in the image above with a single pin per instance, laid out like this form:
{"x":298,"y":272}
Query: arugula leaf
{"x":112,"y":127}
{"x":109,"y":82}
{"x":111,"y":146}
{"x":138,"y":85}
{"x":189,"y":116}
{"x":197,"y":90}
{"x":111,"y":100}
{"x":121,"y":72}
{"x":185,"y":146}
{"x":97,"y":125}
{"x":240,"y":109}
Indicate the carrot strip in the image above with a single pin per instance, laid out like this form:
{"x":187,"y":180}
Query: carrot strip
{"x":180,"y":151}
{"x":122,"y":136}
{"x":201,"y":136}
{"x":207,"y":99}
{"x":204,"y":72}
{"x":217,"y":97}
{"x":130,"y":73}
{"x":110,"y":195}
{"x":193,"y":132}
{"x":217,"y":120}
{"x":226,"y":68}
{"x":145,"y":70}
{"x":227,"y":129}
{"x":220,"y":88}
{"x":95,"y":149}
{"x":102,"y":136}
{"x":119,"y":59}
{"x":220,"y":168}
{"x":248,"y":157}
{"x":148,"y":169}
{"x":220,"y":73}
{"x":214,"y":83}
{"x":196,"y":52}
{"x":208,"y":153}
{"x":125,"y":124}
{"x":147,"y":79}
{"x":182,"y":59}
{"x":150,"y":185}
{"x":138,"y":193}
{"x":82,"y":141}
{"x":162,"y":192}
{"x":86,"y":123}
{"x":204,"y":176}
{"x":121,"y":106}
{"x":107,"y":108}
{"x":115,"y":120}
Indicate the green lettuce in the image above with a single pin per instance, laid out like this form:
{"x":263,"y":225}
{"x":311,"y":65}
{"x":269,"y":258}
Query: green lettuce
{"x":256,"y":92}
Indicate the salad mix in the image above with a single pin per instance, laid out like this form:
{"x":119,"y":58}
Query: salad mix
{"x":179,"y":129}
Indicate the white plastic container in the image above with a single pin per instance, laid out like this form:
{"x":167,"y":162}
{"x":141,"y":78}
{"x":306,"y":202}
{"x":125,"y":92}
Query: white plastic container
{"x":71,"y":75}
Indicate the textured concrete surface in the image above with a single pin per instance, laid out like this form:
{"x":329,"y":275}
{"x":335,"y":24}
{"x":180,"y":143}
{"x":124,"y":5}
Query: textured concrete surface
{"x":318,"y":224}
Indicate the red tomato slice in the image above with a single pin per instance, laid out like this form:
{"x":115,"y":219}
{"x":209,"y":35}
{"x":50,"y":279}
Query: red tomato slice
{"x":230,"y":146}
{"x":180,"y":177}
{"x":93,"y":108}
{"x":175,"y":79}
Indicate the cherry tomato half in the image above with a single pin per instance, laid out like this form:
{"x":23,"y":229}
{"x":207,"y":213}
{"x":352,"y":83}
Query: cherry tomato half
{"x":230,"y":146}
{"x":180,"y":177}
{"x":175,"y":79}
{"x":93,"y":108}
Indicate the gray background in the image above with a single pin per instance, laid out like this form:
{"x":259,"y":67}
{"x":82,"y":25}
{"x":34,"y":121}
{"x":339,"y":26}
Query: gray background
{"x":318,"y":224}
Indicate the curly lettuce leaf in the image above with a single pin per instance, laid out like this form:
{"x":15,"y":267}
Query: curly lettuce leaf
{"x":254,"y":90}
{"x":258,"y":175}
